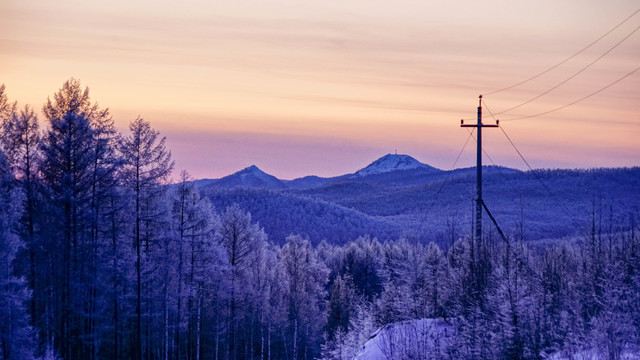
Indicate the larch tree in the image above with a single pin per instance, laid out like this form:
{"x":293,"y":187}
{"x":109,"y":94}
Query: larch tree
{"x":7,"y":108}
{"x":101,"y":162}
{"x":147,"y":165}
{"x":21,"y":141}
{"x":436,"y":275}
{"x":66,"y":172}
{"x":195,"y":223}
{"x":306,"y":279}
{"x":16,"y":333}
{"x":242,"y":239}
{"x":342,"y":304}
{"x":71,"y":97}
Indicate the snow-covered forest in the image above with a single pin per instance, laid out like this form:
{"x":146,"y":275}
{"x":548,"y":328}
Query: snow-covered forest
{"x":104,"y":256}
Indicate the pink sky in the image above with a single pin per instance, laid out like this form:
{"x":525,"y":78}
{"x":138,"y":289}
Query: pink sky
{"x":326,"y":87}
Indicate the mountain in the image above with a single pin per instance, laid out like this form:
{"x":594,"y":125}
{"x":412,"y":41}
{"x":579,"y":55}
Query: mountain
{"x":398,"y":196}
{"x":391,"y":169}
{"x":537,"y":205}
{"x":392,"y":162}
{"x":250,"y":177}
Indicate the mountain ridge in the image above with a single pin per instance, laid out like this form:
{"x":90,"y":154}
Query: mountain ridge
{"x":395,"y":166}
{"x":250,"y":176}
{"x":398,"y":196}
{"x":543,"y":204}
{"x":392,"y":162}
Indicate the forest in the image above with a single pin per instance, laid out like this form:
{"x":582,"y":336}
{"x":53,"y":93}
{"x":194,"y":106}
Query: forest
{"x":105,"y":255}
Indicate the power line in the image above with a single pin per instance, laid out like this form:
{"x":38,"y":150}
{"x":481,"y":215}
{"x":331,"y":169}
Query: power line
{"x":455,"y":162}
{"x":489,"y":157}
{"x":489,"y":110}
{"x":576,"y":101}
{"x":565,"y":60}
{"x":498,"y":168}
{"x":518,"y":151}
{"x":539,"y":179}
{"x":435,"y":194}
{"x":572,"y":76}
{"x":535,"y":173}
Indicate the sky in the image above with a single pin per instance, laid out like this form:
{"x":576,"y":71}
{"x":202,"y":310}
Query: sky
{"x":326,"y":87}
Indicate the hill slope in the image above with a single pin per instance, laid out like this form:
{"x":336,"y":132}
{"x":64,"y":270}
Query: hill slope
{"x":398,"y":196}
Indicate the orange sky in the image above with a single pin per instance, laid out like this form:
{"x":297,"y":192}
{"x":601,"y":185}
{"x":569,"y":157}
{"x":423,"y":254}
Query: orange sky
{"x":325,"y":87}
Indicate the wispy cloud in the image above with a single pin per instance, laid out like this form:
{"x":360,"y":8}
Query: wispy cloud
{"x":344,"y":70}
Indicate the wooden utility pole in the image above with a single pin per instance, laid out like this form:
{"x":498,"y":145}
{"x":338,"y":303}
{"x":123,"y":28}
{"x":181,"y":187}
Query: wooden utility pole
{"x":479,"y":202}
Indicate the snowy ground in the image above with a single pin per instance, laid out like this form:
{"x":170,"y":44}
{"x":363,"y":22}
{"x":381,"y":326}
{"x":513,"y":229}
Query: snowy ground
{"x":432,"y":338}
{"x":593,"y":354}
{"x":421,"y":338}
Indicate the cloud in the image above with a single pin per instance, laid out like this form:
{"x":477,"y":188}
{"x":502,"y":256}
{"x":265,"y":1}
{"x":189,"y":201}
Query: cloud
{"x":374,"y":76}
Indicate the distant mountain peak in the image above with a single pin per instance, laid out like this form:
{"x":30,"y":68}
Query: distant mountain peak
{"x":252,"y":169}
{"x":250,"y":176}
{"x":392,"y":162}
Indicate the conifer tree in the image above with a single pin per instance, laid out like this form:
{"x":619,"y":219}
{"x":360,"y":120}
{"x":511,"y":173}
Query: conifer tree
{"x":16,"y":334}
{"x":22,"y":141}
{"x":305,"y":279}
{"x":241,"y":238}
{"x":147,"y":165}
{"x":66,"y":172}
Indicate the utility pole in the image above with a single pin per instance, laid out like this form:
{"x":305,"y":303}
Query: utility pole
{"x":479,"y":202}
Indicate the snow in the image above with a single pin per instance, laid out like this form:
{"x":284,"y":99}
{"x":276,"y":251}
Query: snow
{"x":593,"y":354}
{"x":391,"y":162}
{"x":411,"y":337}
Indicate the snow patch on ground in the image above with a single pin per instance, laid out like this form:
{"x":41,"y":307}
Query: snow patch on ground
{"x":592,"y":354}
{"x":419,"y":338}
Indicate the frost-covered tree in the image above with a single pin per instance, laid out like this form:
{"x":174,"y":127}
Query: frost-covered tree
{"x":7,"y":108}
{"x":16,"y":334}
{"x":342,"y":302}
{"x":21,"y":139}
{"x":92,"y":167}
{"x":195,"y":223}
{"x":71,"y":97}
{"x":241,"y":239}
{"x":66,"y":172}
{"x":147,"y":165}
{"x":436,"y":281}
{"x":362,"y":263}
{"x":402,"y":263}
{"x":305,"y":279}
{"x":119,"y":275}
{"x":346,"y":343}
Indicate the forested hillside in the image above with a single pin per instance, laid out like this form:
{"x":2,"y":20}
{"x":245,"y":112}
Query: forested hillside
{"x":106,"y":252}
{"x":427,"y":206}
